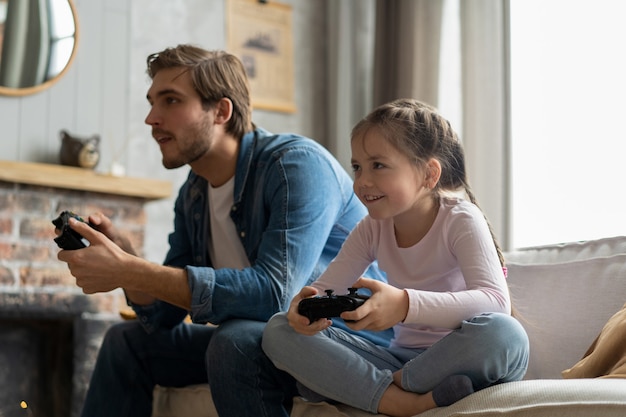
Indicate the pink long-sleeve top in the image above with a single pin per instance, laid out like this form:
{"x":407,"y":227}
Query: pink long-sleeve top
{"x":451,"y":275}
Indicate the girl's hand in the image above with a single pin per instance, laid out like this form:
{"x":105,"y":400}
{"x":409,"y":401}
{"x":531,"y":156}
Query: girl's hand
{"x":301,"y":323}
{"x":386,"y":307}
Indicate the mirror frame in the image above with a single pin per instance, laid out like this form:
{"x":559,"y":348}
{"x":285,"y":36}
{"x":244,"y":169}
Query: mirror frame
{"x":18,"y":92}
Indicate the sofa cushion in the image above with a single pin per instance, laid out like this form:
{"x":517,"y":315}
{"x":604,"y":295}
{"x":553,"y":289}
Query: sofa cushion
{"x":189,"y":401}
{"x":542,"y":398}
{"x":538,"y":398}
{"x":545,"y":398}
{"x":564,"y":306}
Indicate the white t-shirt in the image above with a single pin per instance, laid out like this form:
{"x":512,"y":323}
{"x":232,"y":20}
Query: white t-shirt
{"x":225,"y":247}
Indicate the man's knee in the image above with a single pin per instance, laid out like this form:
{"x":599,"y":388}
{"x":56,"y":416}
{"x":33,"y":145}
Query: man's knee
{"x":243,"y":336}
{"x":235,"y":347}
{"x":117,"y":336}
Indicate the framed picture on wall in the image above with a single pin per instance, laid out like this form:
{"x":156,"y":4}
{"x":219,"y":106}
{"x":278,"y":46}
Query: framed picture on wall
{"x":260,"y":34}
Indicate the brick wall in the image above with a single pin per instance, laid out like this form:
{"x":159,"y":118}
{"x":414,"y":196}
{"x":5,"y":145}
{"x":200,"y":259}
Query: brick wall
{"x":28,"y":254}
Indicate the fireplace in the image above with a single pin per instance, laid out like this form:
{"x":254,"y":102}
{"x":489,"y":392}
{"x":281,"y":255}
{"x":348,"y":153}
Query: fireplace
{"x":49,"y":346}
{"x":37,"y":365}
{"x":50,"y":332}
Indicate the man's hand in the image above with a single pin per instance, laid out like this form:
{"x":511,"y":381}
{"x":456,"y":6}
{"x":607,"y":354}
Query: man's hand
{"x":98,"y":267}
{"x":109,"y":262}
{"x":386,"y":307}
{"x":301,"y":323}
{"x":105,"y":225}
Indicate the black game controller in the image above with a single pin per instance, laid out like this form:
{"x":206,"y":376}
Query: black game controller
{"x":68,"y":239}
{"x":330,"y":305}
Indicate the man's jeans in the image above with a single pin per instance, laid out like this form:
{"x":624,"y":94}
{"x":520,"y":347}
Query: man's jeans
{"x":490,"y":349}
{"x":131,"y":362}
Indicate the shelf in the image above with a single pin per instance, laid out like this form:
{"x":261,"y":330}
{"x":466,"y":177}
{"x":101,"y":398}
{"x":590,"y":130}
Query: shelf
{"x":60,"y":176}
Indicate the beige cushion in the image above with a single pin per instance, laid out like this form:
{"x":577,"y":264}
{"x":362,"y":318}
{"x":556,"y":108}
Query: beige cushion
{"x":564,"y":306}
{"x":543,"y":398}
{"x":190,"y":401}
{"x":537,"y":398}
{"x":547,"y":398}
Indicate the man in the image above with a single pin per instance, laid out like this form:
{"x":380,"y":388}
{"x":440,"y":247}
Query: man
{"x":260,"y":216}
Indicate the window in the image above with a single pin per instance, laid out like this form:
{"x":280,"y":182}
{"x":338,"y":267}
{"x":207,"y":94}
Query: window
{"x":568,"y":95}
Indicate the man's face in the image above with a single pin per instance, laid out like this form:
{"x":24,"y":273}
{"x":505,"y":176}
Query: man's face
{"x":181,"y":127}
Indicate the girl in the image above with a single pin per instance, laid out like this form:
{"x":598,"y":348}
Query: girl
{"x":446,"y":297}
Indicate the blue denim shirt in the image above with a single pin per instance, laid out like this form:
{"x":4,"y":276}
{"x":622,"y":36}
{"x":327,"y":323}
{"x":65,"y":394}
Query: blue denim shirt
{"x":293,"y":207}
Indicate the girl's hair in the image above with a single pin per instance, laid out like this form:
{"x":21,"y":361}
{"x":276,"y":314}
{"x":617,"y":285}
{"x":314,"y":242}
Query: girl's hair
{"x":215,"y":75}
{"x":419,"y":131}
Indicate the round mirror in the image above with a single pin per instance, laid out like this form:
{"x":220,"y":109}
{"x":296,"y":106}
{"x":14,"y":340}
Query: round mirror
{"x":38,"y":40}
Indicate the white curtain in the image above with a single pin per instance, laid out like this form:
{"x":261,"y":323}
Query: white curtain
{"x":486,"y":116}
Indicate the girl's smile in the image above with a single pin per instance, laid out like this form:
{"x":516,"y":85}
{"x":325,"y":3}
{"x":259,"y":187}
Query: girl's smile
{"x":371,"y":198}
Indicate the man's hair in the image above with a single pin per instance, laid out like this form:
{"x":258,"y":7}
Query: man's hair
{"x":215,"y":75}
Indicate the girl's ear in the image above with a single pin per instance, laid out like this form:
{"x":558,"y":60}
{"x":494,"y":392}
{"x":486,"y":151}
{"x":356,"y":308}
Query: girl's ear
{"x":223,"y":110}
{"x":433,"y":172}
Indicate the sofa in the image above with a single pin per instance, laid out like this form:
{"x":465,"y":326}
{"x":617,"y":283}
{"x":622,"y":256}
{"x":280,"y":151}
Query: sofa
{"x":565,"y":294}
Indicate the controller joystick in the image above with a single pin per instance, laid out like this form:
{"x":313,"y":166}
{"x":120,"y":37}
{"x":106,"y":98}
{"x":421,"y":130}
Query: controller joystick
{"x":330,"y":305}
{"x":69,"y":239}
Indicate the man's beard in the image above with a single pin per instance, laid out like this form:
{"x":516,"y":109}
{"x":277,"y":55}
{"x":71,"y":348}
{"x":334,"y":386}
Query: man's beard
{"x":195,"y":149}
{"x":190,"y":155}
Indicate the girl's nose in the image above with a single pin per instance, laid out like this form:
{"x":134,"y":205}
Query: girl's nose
{"x":362,"y":180}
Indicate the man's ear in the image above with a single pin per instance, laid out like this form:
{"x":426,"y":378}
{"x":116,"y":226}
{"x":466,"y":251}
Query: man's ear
{"x":433,"y":172}
{"x":223,"y":110}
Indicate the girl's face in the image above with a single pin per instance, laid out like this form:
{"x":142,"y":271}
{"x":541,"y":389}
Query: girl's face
{"x":385,"y":180}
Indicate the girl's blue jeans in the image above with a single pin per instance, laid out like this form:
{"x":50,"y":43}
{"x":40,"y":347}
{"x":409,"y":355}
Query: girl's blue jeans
{"x":490,"y":349}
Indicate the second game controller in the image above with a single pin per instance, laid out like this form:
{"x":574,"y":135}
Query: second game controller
{"x":330,"y":305}
{"x":69,"y":238}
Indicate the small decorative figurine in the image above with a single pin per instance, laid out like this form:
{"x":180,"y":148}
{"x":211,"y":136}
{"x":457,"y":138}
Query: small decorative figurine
{"x":79,"y":152}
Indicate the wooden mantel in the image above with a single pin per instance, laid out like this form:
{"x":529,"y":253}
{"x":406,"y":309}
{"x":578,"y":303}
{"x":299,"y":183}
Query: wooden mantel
{"x":73,"y":178}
